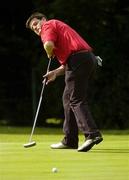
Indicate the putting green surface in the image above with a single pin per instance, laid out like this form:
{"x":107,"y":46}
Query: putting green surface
{"x":107,"y":161}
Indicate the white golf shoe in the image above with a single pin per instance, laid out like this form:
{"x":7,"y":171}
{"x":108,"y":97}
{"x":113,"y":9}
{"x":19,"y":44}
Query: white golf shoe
{"x":59,"y":145}
{"x":88,"y":144}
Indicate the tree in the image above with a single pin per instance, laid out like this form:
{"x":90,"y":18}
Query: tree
{"x":104,"y":24}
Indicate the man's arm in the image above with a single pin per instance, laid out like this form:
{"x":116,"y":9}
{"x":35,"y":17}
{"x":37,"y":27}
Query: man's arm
{"x":51,"y":75}
{"x":60,"y":70}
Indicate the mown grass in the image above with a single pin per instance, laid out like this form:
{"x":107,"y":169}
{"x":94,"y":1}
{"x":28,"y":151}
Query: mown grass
{"x":106,"y":161}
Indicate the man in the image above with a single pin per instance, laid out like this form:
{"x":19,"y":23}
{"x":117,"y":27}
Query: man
{"x":78,"y":63}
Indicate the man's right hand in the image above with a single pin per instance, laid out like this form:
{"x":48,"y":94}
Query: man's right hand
{"x":50,"y":76}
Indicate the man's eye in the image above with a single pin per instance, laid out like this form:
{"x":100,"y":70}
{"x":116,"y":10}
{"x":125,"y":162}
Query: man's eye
{"x":34,"y":24}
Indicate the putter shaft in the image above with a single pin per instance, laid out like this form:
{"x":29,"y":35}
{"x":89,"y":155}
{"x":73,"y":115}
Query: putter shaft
{"x":32,"y":143}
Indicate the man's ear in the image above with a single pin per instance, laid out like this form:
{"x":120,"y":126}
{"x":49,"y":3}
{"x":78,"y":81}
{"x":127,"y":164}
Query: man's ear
{"x":43,"y":19}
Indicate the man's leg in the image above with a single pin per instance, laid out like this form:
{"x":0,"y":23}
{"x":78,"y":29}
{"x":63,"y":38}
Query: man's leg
{"x":70,"y":125}
{"x":70,"y":128}
{"x":77,"y":82}
{"x":78,"y":73}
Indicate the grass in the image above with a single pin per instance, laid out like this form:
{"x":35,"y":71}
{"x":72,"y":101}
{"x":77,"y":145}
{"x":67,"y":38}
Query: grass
{"x":106,"y":161}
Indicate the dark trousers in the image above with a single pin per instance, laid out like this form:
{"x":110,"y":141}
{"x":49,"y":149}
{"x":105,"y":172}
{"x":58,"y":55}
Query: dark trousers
{"x":79,"y":71}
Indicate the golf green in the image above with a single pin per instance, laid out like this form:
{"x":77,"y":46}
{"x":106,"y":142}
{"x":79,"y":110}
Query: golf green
{"x":107,"y":161}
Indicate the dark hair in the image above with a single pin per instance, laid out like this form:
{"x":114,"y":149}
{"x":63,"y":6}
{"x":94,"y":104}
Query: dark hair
{"x":37,"y":15}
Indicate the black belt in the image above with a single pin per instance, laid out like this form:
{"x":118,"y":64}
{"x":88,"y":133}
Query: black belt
{"x":81,"y":51}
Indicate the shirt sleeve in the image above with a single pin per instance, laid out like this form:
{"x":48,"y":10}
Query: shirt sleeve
{"x":48,"y":33}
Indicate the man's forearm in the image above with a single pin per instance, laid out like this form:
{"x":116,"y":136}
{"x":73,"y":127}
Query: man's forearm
{"x":60,"y":70}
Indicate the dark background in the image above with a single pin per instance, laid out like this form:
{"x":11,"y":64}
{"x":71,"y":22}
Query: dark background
{"x":104,"y":24}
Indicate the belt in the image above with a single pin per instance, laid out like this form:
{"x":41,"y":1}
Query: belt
{"x":81,"y":51}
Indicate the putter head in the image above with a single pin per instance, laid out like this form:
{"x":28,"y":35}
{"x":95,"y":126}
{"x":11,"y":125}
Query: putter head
{"x":30,"y":144}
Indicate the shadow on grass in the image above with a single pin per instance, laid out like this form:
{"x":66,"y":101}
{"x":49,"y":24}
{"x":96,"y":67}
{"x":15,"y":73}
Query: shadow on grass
{"x":111,"y":150}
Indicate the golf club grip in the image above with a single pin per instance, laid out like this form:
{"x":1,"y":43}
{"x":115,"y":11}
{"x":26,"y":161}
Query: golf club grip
{"x":48,"y":67}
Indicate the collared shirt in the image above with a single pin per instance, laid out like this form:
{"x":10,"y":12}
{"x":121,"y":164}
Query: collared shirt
{"x":66,"y":39}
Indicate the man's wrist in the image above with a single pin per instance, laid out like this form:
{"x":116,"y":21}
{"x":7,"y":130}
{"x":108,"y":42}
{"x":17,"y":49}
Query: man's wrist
{"x":60,"y":71}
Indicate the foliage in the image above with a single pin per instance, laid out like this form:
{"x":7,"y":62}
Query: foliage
{"x":104,"y":24}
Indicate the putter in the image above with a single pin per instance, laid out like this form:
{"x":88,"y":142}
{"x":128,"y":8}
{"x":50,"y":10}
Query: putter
{"x":33,"y":143}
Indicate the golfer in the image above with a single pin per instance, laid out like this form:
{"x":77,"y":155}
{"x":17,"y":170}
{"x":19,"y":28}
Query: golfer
{"x":78,"y":63}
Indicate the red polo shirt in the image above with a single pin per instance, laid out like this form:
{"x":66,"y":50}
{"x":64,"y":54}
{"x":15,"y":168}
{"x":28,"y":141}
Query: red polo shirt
{"x":66,"y":39}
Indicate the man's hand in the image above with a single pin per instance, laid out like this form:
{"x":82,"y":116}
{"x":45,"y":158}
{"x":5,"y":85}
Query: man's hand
{"x":50,"y":76}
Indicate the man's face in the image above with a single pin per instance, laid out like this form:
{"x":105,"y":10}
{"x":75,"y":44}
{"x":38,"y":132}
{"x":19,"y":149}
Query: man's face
{"x":35,"y":25}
